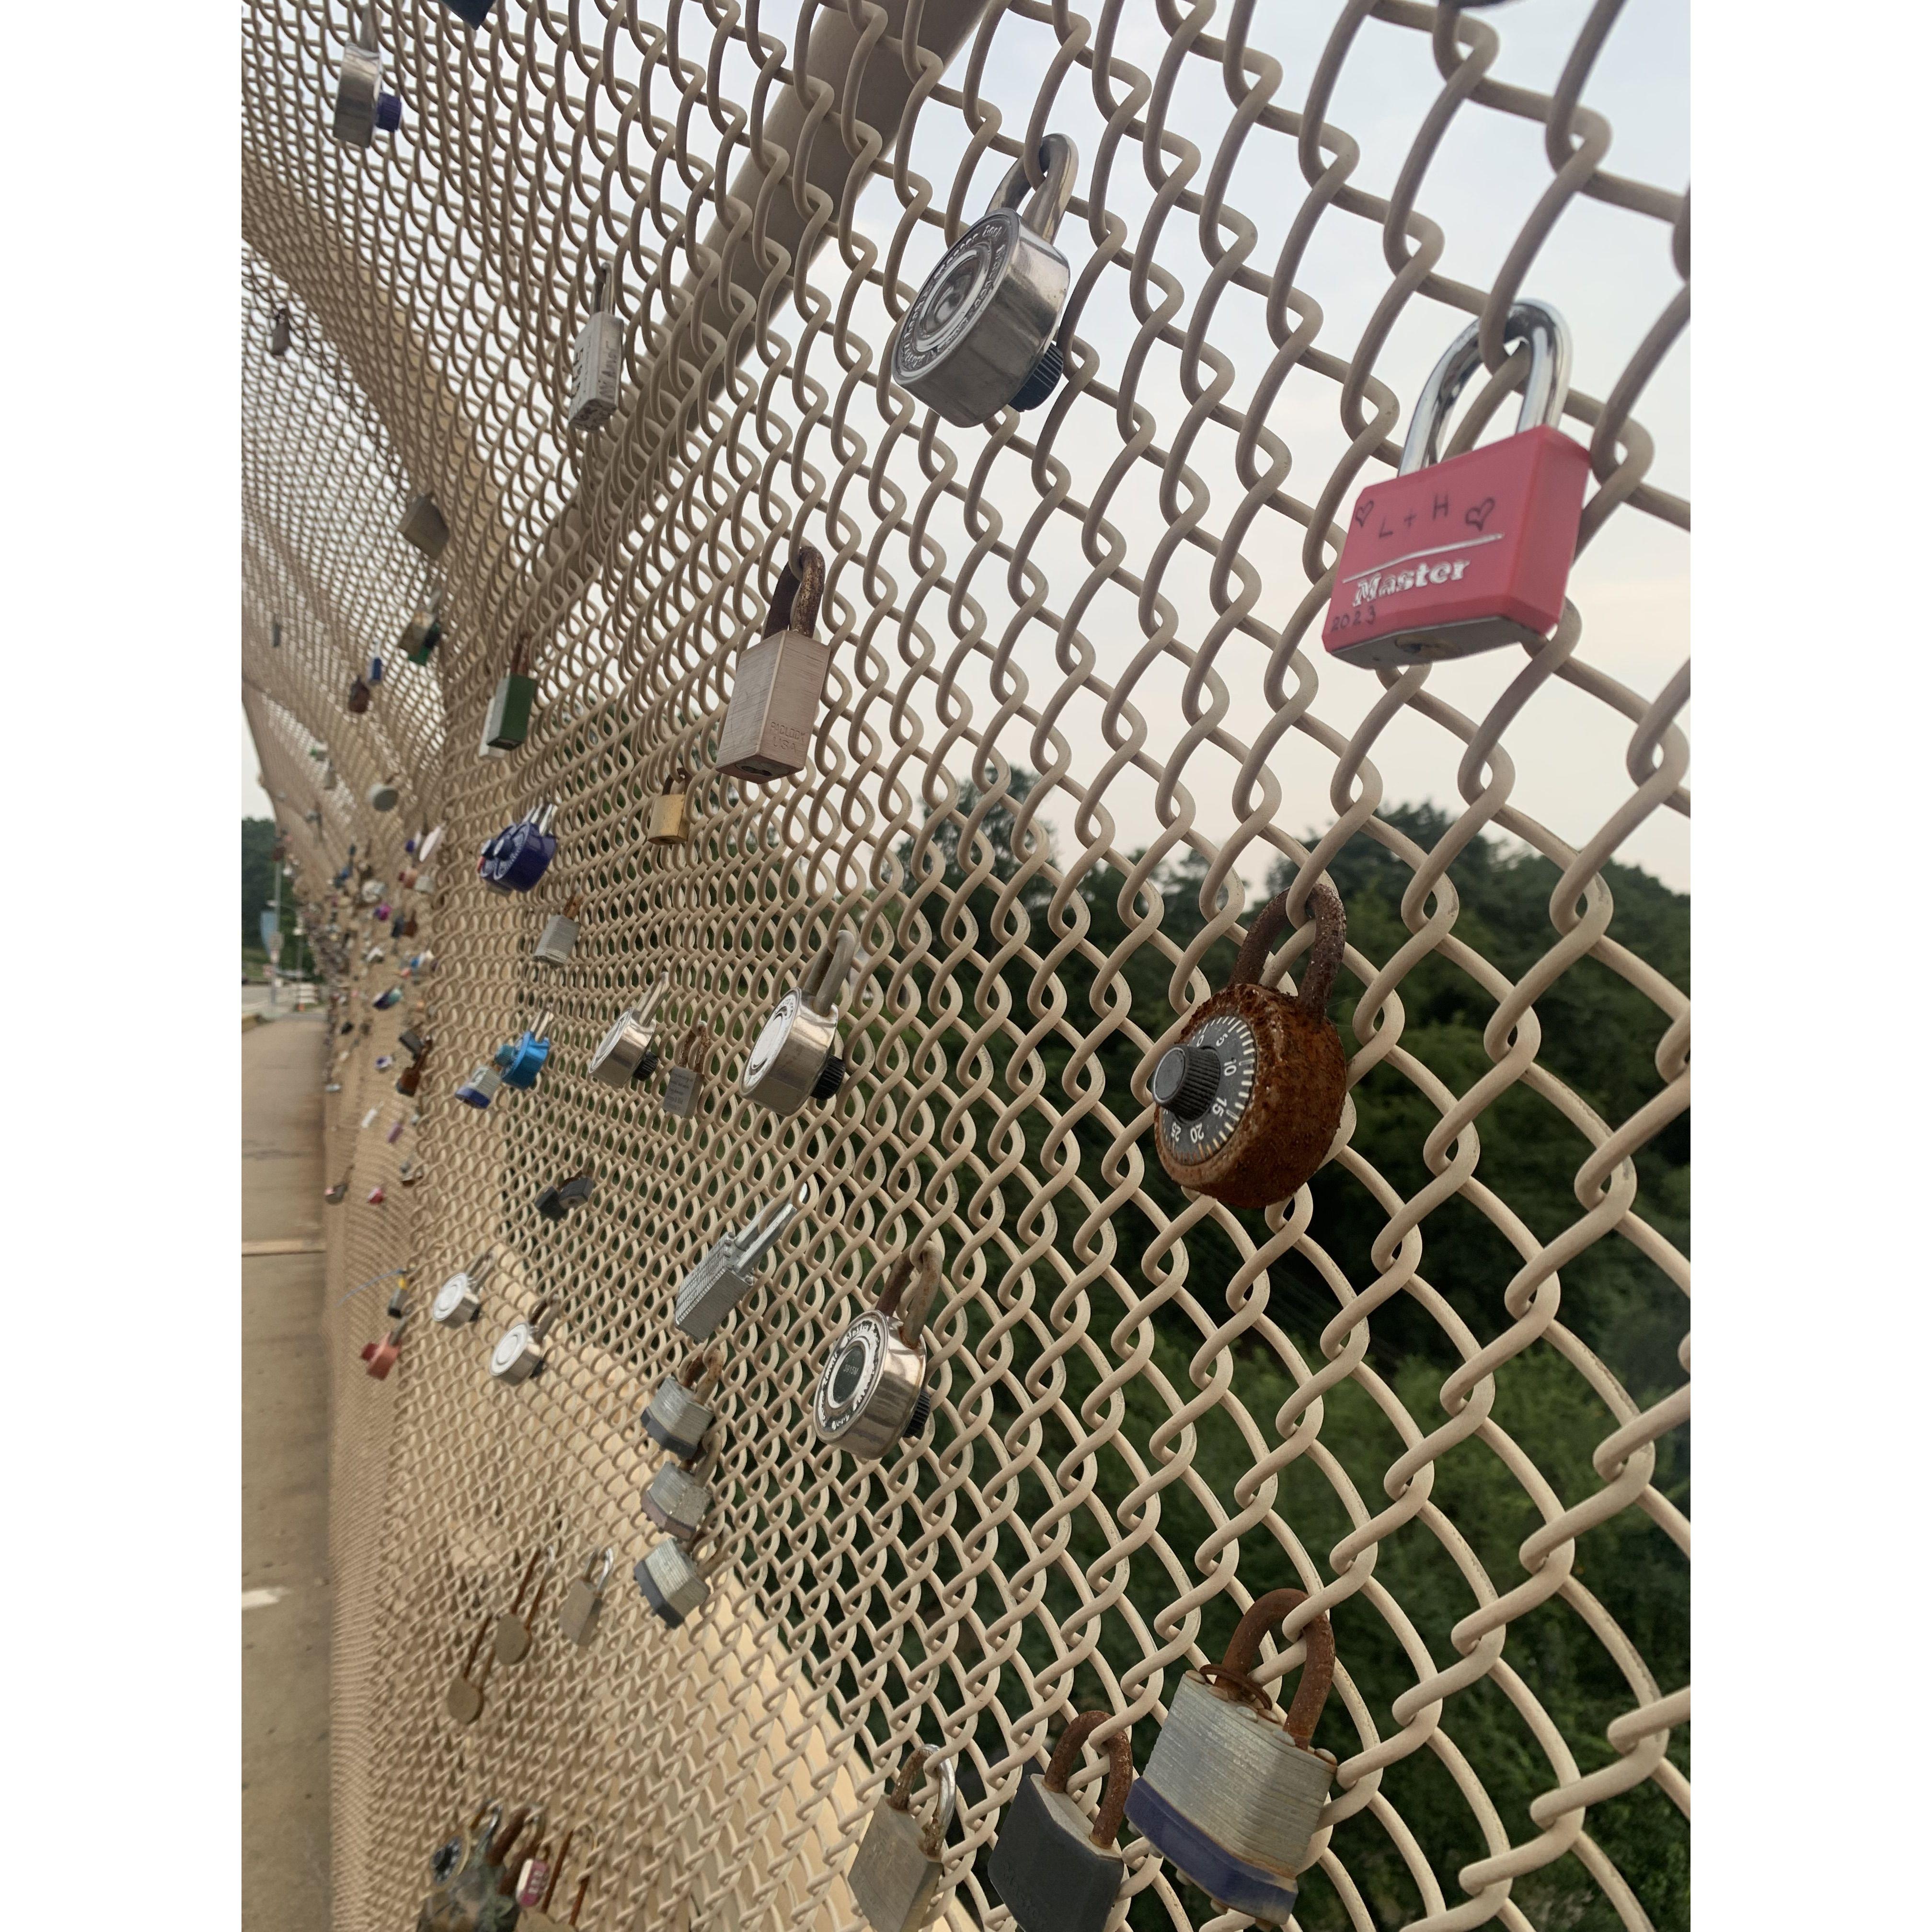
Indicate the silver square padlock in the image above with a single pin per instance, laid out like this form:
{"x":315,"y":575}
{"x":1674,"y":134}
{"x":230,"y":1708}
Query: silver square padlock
{"x":677,"y":1418}
{"x":729,"y":1270}
{"x":897,"y":1879}
{"x":774,"y":709}
{"x":597,"y":361}
{"x":678,"y":1501}
{"x":558,"y":938}
{"x":423,"y":526}
{"x":687,"y":1072}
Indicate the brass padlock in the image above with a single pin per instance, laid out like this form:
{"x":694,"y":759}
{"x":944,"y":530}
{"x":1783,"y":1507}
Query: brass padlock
{"x":1052,"y":1871}
{"x":1250,"y":1099}
{"x":585,"y":1598}
{"x":774,"y":709}
{"x":512,"y":1643}
{"x":687,"y":1071}
{"x":897,"y":1877}
{"x":872,"y":1390}
{"x":668,"y":810}
{"x":464,"y":1698}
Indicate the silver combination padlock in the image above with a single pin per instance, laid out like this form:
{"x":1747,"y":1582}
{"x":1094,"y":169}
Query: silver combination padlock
{"x":687,"y":1071}
{"x":675,"y":1416}
{"x":629,"y":1050}
{"x":361,"y":106}
{"x":774,"y":708}
{"x":558,"y":939}
{"x":795,"y":1057}
{"x":872,"y":1390}
{"x":459,"y":1300}
{"x":1234,"y":1791}
{"x":519,"y":1353}
{"x":979,"y":333}
{"x":585,"y":1598}
{"x":383,"y":797}
{"x":422,"y":525}
{"x":672,"y":1583}
{"x":729,"y":1270}
{"x":598,"y":359}
{"x":897,"y":1878}
{"x":1053,"y":1871}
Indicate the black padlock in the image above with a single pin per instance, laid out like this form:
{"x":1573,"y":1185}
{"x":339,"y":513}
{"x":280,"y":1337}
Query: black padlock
{"x":1053,"y":1872}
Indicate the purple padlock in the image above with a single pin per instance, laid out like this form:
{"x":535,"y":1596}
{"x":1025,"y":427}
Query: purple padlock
{"x":519,"y":856}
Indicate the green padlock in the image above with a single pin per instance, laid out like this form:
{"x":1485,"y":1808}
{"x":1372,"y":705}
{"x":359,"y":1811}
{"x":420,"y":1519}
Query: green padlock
{"x":509,"y":723}
{"x":423,"y":631}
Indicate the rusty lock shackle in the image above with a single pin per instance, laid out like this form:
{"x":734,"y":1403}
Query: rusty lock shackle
{"x":693,"y":1044}
{"x":1324,"y":957}
{"x":912,"y":1322}
{"x":1120,"y":1772}
{"x":794,"y":605}
{"x":899,"y":1796}
{"x":1318,"y":1672}
{"x":700,"y":1366}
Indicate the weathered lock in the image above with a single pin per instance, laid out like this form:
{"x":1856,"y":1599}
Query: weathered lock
{"x":381,"y":1355}
{"x":897,"y":1877}
{"x":979,"y":335}
{"x":459,"y":1300}
{"x":1234,"y":1791}
{"x":577,"y":1615}
{"x":629,"y":1051}
{"x":558,"y":939}
{"x":519,"y":1353}
{"x":361,"y":104}
{"x":598,"y":359}
{"x":484,"y":1084}
{"x":1250,"y":1099}
{"x":675,"y":1416}
{"x":519,"y":855}
{"x":358,"y":702}
{"x":561,"y":1196}
{"x":672,"y":1583}
{"x":669,"y":810}
{"x":280,"y":333}
{"x":729,"y":1270}
{"x":774,"y":708}
{"x":422,"y":525}
{"x":520,"y":1061}
{"x":872,"y":1389}
{"x":383,"y":796}
{"x":512,"y":1639}
{"x":1472,"y":552}
{"x":507,"y":723}
{"x":796,"y":1055}
{"x":463,"y":1700}
{"x":1053,"y":1871}
{"x":468,"y":1876}
{"x":371,"y":892}
{"x":678,"y":1500}
{"x":687,"y":1072}
{"x":423,"y":632}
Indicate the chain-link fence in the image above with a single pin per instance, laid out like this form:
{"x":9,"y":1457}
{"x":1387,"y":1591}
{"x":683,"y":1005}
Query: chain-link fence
{"x":1079,"y":721}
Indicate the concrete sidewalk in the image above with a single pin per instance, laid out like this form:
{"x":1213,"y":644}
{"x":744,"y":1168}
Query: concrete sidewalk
{"x":285,"y":1581}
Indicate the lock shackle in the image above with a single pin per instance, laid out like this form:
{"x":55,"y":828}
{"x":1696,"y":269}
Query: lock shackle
{"x":899,"y":1797}
{"x":557,"y":1867}
{"x":365,"y":29}
{"x":540,"y":1029}
{"x":1120,"y":1772}
{"x":910,"y":1312}
{"x":794,"y":605}
{"x":541,"y":1316}
{"x":601,"y":288}
{"x":693,"y":1046}
{"x":767,"y":1224}
{"x":478,"y":1270}
{"x":549,"y":1553}
{"x":648,"y":1001}
{"x":470,"y":1662}
{"x":608,"y":1556}
{"x":823,"y":988}
{"x":519,"y":656}
{"x":573,"y":905}
{"x":1045,"y":205}
{"x":545,"y":816}
{"x":523,"y":1587}
{"x":496,"y":1843}
{"x":1324,"y":958}
{"x":1545,"y":389}
{"x":1318,"y":1673}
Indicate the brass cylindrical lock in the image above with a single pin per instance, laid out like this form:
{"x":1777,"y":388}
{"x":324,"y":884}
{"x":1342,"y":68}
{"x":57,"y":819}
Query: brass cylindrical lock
{"x":774,"y":708}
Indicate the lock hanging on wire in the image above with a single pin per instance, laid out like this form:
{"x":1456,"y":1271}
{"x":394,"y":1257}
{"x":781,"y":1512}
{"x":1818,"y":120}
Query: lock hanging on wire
{"x":507,"y":723}
{"x":797,"y":1056}
{"x":280,"y":333}
{"x":519,"y":1353}
{"x":384,"y":796}
{"x":728,"y":1272}
{"x":517,"y":857}
{"x":629,"y":1050}
{"x":576,"y":1616}
{"x":1052,"y":1870}
{"x":1472,"y":552}
{"x":463,"y":1700}
{"x":467,"y":1876}
{"x":671,"y":1582}
{"x":520,"y":1061}
{"x":596,"y":364}
{"x":513,"y":1632}
{"x":1234,"y":1791}
{"x":979,"y":336}
{"x":357,"y":702}
{"x":687,"y":1071}
{"x":381,"y":1355}
{"x":1250,"y":1099}
{"x":670,"y":809}
{"x":558,"y":938}
{"x":675,"y":1417}
{"x":897,"y":1875}
{"x":423,"y":631}
{"x":459,"y":1300}
{"x":362,"y":105}
{"x":560,"y":1197}
{"x":872,"y":1391}
{"x":423,"y":526}
{"x":774,"y":709}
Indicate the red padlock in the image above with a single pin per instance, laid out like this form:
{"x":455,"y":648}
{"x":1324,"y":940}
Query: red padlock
{"x":376,"y":1197}
{"x":1469,"y":554}
{"x":381,"y":1356}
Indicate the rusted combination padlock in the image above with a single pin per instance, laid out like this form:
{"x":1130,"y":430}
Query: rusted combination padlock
{"x":1250,"y":1099}
{"x":463,"y":1700}
{"x":897,"y":1873}
{"x":687,"y":1071}
{"x":1053,"y":1871}
{"x":512,"y":1640}
{"x":1474,"y":552}
{"x":1233,"y":1790}
{"x":774,"y":709}
{"x":669,"y":811}
{"x":872,"y":1390}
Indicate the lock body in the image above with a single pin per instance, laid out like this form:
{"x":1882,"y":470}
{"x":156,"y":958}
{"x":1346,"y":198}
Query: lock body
{"x":381,"y":1356}
{"x":383,"y":797}
{"x":482,"y":1087}
{"x":1048,"y":1871}
{"x":774,"y":710}
{"x":512,"y":1639}
{"x":628,"y":1052}
{"x":521,"y":1063}
{"x":508,"y":722}
{"x":893,"y":1880}
{"x":578,"y":1615}
{"x":675,"y":1418}
{"x":518,"y":1355}
{"x":728,"y":1272}
{"x":594,"y":370}
{"x":557,"y":1200}
{"x":458,"y":1302}
{"x":558,"y":941}
{"x":422,"y":525}
{"x":519,"y":855}
{"x":795,"y":1057}
{"x":1464,"y":556}
{"x":872,"y":1390}
{"x":680,"y":1095}
{"x":668,"y":815}
{"x":361,"y":105}
{"x":420,"y":636}
{"x":1230,"y":1801}
{"x":671,"y":1583}
{"x":678,"y":1501}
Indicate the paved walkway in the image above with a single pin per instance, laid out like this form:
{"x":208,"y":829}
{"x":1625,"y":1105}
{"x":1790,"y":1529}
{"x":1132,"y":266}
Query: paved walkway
{"x":285,"y":1584}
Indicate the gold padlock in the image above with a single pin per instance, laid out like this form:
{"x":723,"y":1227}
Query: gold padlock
{"x":669,"y":814}
{"x":774,"y":709}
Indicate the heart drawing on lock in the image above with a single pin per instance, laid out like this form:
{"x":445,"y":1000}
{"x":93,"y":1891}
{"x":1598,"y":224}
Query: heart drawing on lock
{"x":1477,"y":514}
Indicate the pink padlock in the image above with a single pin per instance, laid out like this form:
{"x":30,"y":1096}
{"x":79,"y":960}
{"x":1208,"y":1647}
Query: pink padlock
{"x":1474,"y":553}
{"x":383,"y":910}
{"x":381,"y":1356}
{"x":394,"y":1134}
{"x":376,"y":1197}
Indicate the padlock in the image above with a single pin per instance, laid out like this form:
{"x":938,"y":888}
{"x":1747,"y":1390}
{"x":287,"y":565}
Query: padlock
{"x":577,"y":1615}
{"x":897,"y":1879}
{"x":423,"y":633}
{"x":395,"y":1132}
{"x":371,"y":892}
{"x":512,"y":1640}
{"x":675,"y":1416}
{"x":557,"y":1200}
{"x":422,"y":525}
{"x":670,"y":809}
{"x":536,"y":1882}
{"x":774,"y":709}
{"x":384,"y":1061}
{"x":426,"y":846}
{"x":361,"y":105}
{"x":559,"y":940}
{"x":979,"y":335}
{"x":412,"y":1043}
{"x":520,"y":1061}
{"x":467,"y":1876}
{"x":519,"y":1352}
{"x":678,"y":1500}
{"x":1234,"y":1791}
{"x":1473,"y":552}
{"x":459,"y":1300}
{"x":370,"y":1119}
{"x":385,"y":1000}
{"x":463,"y":1700}
{"x":687,"y":1071}
{"x":280,"y":336}
{"x":410,"y":1078}
{"x":473,"y":13}
{"x":796,"y":1056}
{"x":519,"y":855}
{"x":359,"y":702}
{"x":483,"y":1085}
{"x":376,"y":1196}
{"x":728,"y":1271}
{"x":508,"y":722}
{"x":382,"y":911}
{"x":872,"y":1391}
{"x":629,"y":1050}
{"x":1052,"y":1870}
{"x":383,"y":797}
{"x":671,"y":1582}
{"x":598,"y":360}
{"x":1250,"y":1099}
{"x":381,"y":1356}
{"x":375,"y":670}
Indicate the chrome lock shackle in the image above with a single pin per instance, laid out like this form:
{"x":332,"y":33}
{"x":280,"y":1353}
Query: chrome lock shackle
{"x":1545,"y":390}
{"x":899,"y":1796}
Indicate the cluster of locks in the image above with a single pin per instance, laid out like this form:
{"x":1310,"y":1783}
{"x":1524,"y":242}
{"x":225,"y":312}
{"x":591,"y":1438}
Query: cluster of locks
{"x":500,"y":1873}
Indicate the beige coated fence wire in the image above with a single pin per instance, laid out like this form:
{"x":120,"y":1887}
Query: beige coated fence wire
{"x":1078,"y":715}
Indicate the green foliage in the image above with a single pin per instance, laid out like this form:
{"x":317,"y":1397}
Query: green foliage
{"x":258,"y":895}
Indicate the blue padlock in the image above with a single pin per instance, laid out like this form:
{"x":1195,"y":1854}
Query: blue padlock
{"x":382,"y":1002}
{"x":483,"y":1085}
{"x":521,"y":1063}
{"x":519,"y":855}
{"x":375,"y":670}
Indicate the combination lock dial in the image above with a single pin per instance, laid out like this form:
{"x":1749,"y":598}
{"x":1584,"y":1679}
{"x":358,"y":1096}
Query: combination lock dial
{"x":1203,"y":1086}
{"x":872,"y":1390}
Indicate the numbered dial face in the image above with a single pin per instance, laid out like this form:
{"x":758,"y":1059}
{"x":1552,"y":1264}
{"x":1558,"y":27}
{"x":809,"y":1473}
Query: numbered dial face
{"x":1203,"y":1087}
{"x":766,"y":1049}
{"x":956,"y":294}
{"x":850,"y":1378}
